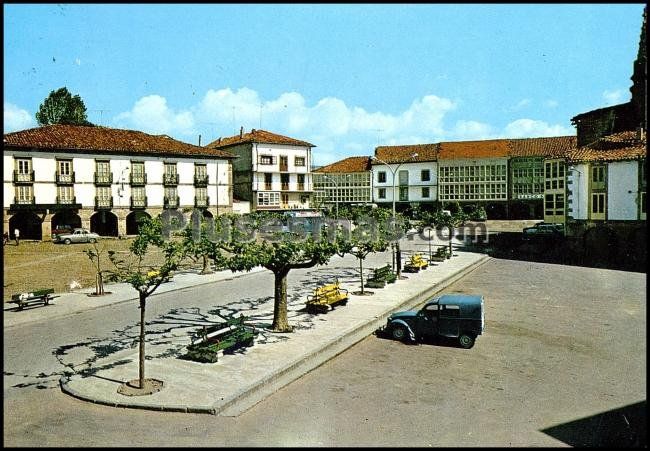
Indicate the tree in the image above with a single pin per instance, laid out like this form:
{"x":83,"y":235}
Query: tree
{"x":60,"y":107}
{"x":258,"y":239}
{"x":150,"y":262}
{"x":94,"y":255}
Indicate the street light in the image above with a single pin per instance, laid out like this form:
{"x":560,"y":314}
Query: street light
{"x":394,"y":171}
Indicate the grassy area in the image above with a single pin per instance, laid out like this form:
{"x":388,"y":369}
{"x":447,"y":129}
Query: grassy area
{"x":35,"y":264}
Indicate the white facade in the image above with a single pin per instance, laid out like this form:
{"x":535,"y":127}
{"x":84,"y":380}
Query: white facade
{"x":623,"y":190}
{"x":578,"y":187}
{"x":414,"y":182}
{"x":44,"y":165}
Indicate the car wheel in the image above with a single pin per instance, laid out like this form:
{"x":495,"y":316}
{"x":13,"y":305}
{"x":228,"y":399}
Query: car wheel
{"x":67,"y":241}
{"x":92,"y":240}
{"x":399,"y":333}
{"x":466,"y":340}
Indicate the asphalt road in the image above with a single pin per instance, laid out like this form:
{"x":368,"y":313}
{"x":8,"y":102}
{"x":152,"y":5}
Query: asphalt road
{"x":562,"y":346}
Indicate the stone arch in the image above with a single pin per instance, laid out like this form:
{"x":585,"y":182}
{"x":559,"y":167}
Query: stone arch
{"x":66,"y":218}
{"x":132,"y":221}
{"x":29,"y":225}
{"x":104,"y":223}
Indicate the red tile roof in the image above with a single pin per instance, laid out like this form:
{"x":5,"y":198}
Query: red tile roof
{"x":616,"y":147}
{"x":402,"y":154}
{"x":104,"y":140}
{"x":257,"y":136}
{"x":541,"y":147}
{"x":473,"y":149}
{"x":351,"y":164}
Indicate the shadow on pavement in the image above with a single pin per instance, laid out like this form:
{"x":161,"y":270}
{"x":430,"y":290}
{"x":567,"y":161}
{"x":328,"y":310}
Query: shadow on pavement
{"x":623,"y":427}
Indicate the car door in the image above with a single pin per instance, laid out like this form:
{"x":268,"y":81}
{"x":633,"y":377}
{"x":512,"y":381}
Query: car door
{"x":428,"y":321}
{"x":448,"y":322}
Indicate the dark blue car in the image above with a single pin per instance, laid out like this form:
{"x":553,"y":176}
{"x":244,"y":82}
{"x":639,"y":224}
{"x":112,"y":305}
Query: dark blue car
{"x":458,"y":316}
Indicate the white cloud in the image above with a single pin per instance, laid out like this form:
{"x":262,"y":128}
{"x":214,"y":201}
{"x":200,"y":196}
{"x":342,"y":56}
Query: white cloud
{"x":529,"y":128}
{"x":520,"y":105}
{"x":551,"y":103}
{"x":16,"y":118}
{"x":151,"y":114}
{"x":613,"y":97}
{"x":337,"y":129}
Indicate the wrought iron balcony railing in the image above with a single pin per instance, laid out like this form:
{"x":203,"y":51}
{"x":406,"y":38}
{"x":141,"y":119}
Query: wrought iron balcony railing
{"x":23,"y":178}
{"x":64,"y":179}
{"x":103,"y":178}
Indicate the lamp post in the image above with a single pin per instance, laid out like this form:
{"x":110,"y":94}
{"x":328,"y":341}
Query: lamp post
{"x":394,"y":172}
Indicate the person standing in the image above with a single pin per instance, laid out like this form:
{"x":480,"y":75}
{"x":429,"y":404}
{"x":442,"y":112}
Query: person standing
{"x":17,"y":236}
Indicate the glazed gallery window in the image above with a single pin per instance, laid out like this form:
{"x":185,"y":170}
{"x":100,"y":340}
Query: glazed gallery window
{"x":299,"y":161}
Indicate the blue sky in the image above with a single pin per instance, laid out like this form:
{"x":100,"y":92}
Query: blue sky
{"x":345,"y":77}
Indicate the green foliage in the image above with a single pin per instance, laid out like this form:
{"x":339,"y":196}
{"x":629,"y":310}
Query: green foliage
{"x":143,"y":271}
{"x":61,"y":107}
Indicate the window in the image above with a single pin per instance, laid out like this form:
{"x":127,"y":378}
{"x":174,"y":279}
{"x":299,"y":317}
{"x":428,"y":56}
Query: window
{"x":403,"y":193}
{"x":65,"y":194}
{"x":266,"y":159}
{"x":381,"y":193}
{"x":284,"y":181}
{"x":23,"y":166}
{"x":425,"y":175}
{"x":103,"y":168}
{"x":450,"y":311}
{"x":403,"y":177}
{"x":65,"y":167}
{"x":284,"y":163}
{"x":268,"y":181}
{"x":103,"y":192}
{"x":268,"y":199}
{"x":170,"y":168}
{"x":138,"y":192}
{"x":381,"y":177}
{"x":24,"y":194}
{"x":200,"y":170}
{"x":598,"y":203}
{"x":299,"y":161}
{"x":598,"y":174}
{"x":425,"y":192}
{"x":301,"y":182}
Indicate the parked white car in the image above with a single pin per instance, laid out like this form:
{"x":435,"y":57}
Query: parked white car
{"x":77,"y":236}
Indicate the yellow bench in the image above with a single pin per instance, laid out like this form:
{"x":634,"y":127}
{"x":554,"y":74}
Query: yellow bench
{"x":326,"y":296}
{"x":416,"y":263}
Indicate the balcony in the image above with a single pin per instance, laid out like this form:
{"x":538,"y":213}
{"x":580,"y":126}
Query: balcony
{"x":268,"y":186}
{"x":171,"y":202}
{"x":301,"y":186}
{"x":138,"y":179}
{"x":103,"y":178}
{"x":201,"y":202}
{"x":170,"y":179}
{"x":64,"y":179}
{"x":66,"y":200}
{"x":200,"y":180}
{"x":23,"y":178}
{"x":284,"y":187}
{"x":25,"y":201}
{"x":138,"y":202}
{"x":103,"y":203}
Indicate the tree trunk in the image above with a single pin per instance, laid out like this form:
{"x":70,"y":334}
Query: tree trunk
{"x":99,"y":284}
{"x":451,"y":234}
{"x":206,"y":265}
{"x":280,"y":320}
{"x":361,"y":272}
{"x":143,"y":300}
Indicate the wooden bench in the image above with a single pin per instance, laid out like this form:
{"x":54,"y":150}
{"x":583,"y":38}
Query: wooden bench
{"x":326,"y":296}
{"x":416,"y":263}
{"x":442,"y":254}
{"x":224,"y":338}
{"x":381,"y":276}
{"x":43,"y":295}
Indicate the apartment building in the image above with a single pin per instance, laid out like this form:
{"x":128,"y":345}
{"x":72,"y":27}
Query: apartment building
{"x":405,"y":175}
{"x":348,"y":181}
{"x":272,"y":172}
{"x":105,"y":179}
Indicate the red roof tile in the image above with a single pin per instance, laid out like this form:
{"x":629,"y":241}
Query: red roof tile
{"x":541,"y":147}
{"x":402,"y":154}
{"x":616,"y":147}
{"x":257,"y":136}
{"x":493,"y":148}
{"x":351,"y":164}
{"x":104,"y":140}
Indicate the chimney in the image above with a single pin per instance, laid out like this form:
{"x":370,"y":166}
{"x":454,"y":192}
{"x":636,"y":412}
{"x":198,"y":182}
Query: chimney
{"x":253,"y":131}
{"x":241,"y":132}
{"x":199,"y":140}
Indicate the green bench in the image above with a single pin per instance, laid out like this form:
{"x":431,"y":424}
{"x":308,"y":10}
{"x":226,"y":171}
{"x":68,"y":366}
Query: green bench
{"x":224,"y":338}
{"x":381,"y":276}
{"x":326,"y":296}
{"x":442,"y":254}
{"x":416,"y":263}
{"x":43,"y":295}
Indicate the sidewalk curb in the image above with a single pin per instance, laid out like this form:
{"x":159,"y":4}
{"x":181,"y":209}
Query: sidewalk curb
{"x":249,"y":396}
{"x":122,"y":301}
